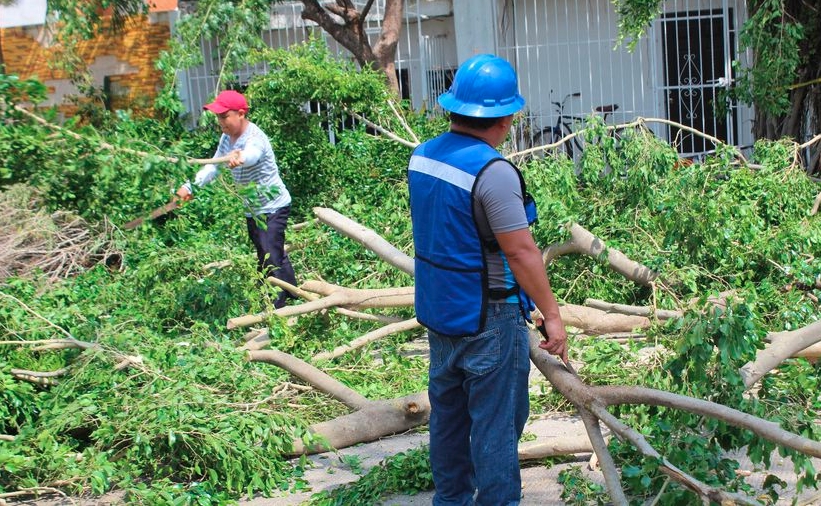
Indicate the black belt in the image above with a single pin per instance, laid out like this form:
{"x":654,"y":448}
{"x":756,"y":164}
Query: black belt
{"x":503,"y":293}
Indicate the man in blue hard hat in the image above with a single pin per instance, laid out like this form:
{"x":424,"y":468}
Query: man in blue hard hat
{"x":477,"y":273}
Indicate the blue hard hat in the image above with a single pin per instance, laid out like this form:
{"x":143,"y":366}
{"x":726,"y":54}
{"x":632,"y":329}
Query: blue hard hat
{"x":485,"y":86}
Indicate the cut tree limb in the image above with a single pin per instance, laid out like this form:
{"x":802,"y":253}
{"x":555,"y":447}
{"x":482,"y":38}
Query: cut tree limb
{"x":554,"y":446}
{"x":335,"y":296}
{"x":661,"y":314}
{"x":782,"y":345}
{"x":376,"y":420}
{"x":306,"y":295}
{"x":367,"y":237}
{"x":39,"y":377}
{"x":311,"y":375}
{"x":595,"y":400}
{"x":596,"y":321}
{"x":612,"y":479}
{"x":370,"y":337}
{"x":583,"y":242}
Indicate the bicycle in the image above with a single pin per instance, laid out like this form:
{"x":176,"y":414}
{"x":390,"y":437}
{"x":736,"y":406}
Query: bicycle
{"x":564,"y":126}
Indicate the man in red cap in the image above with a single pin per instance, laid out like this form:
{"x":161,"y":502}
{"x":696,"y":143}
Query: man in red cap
{"x":252,"y":162}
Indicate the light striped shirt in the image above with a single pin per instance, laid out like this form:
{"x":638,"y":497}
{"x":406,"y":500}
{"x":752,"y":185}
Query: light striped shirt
{"x":260,"y":167}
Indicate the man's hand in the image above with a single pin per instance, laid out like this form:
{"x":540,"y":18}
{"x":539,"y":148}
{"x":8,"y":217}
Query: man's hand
{"x":236,"y":159}
{"x":555,"y":335}
{"x":184,"y":194}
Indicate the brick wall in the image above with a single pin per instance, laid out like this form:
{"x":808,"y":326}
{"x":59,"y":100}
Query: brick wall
{"x":127,"y":58}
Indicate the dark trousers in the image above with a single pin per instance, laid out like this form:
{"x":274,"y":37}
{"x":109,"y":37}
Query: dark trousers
{"x":269,"y":241}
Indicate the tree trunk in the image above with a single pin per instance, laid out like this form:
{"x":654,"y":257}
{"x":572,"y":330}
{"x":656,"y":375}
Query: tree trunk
{"x":350,"y":32}
{"x":803,"y":118}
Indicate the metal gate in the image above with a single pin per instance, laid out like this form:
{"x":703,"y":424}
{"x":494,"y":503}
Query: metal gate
{"x":697,"y":61}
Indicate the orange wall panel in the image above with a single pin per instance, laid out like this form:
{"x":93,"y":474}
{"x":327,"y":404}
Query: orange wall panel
{"x":136,"y":50}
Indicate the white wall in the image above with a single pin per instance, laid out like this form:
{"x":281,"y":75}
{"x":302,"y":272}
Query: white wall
{"x":566,"y":46}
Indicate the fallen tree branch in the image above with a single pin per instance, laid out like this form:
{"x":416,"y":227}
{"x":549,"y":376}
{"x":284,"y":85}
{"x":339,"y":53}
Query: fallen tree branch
{"x":309,"y":296}
{"x":375,"y":419}
{"x":583,"y":242}
{"x":370,"y":337}
{"x":367,"y":237}
{"x":387,"y":133}
{"x":596,"y":321}
{"x":39,"y":377}
{"x":638,"y":122}
{"x":661,"y":314}
{"x":35,"y":491}
{"x":335,"y":296}
{"x":640,"y":443}
{"x":393,"y":416}
{"x":595,"y":399}
{"x":311,"y":375}
{"x":304,"y":224}
{"x":782,"y":346}
{"x":111,"y":147}
{"x":554,"y":446}
{"x":65,"y":344}
{"x":404,"y":123}
{"x":612,"y":478}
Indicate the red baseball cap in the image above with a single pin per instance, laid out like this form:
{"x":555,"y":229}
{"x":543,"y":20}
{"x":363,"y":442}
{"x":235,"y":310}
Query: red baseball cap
{"x":228,"y":100}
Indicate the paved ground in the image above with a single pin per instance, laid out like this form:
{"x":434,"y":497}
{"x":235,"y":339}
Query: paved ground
{"x":539,"y":484}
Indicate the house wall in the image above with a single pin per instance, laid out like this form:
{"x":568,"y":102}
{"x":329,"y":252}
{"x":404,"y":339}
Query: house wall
{"x":127,"y":59}
{"x":560,"y":47}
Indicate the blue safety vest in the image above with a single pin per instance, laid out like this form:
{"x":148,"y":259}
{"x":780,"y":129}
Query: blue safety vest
{"x":450,"y":267}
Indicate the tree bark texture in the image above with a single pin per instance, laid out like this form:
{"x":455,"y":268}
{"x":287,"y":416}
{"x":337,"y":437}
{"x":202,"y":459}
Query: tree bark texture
{"x":346,"y":25}
{"x":584,"y":242}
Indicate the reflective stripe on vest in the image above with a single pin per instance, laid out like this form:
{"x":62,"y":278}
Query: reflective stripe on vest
{"x":451,"y":272}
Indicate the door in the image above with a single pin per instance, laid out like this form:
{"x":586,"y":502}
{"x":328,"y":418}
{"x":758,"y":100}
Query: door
{"x":697,"y":49}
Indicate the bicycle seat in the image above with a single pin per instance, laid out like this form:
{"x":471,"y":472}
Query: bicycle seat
{"x":607,"y":108}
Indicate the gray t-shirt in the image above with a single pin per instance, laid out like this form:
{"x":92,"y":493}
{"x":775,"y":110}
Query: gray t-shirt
{"x":499,"y":208}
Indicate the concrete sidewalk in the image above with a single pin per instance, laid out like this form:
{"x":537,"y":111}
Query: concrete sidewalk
{"x":540,"y":485}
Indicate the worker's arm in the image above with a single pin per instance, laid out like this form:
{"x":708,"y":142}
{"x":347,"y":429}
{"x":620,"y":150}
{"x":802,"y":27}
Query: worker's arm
{"x":249,"y":155}
{"x":204,"y":176}
{"x":525,"y":261}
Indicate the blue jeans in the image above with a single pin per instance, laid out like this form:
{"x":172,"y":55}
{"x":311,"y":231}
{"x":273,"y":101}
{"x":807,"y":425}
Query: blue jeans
{"x":479,"y":406}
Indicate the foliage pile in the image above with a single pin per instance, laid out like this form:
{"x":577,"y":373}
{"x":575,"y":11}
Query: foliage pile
{"x":191,"y":422}
{"x":57,"y":245}
{"x":707,"y":228}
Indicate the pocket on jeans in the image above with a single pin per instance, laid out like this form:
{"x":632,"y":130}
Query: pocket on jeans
{"x":483,"y":353}
{"x":438,"y":350}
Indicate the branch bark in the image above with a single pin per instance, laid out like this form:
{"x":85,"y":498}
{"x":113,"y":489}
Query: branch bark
{"x":370,"y":337}
{"x":583,"y":242}
{"x":334,"y":296}
{"x":304,"y":294}
{"x":609,"y":307}
{"x":782,"y":345}
{"x":311,"y":375}
{"x":366,"y":237}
